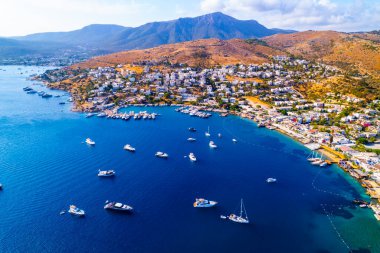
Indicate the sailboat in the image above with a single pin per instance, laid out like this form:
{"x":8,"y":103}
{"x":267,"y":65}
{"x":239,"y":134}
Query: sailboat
{"x":242,"y":218}
{"x":208,"y":132}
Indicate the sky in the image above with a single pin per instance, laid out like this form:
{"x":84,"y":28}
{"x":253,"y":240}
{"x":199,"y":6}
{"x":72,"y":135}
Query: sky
{"x":21,"y":17}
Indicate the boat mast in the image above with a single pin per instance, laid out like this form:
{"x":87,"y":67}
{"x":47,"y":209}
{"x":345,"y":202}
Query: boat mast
{"x":241,"y":208}
{"x":245,"y":211}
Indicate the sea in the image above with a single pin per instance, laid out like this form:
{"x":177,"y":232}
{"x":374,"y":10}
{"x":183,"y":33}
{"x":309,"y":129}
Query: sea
{"x":45,"y":166}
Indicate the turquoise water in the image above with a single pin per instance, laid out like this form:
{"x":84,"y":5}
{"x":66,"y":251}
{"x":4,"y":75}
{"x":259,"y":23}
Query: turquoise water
{"x":44,"y":167}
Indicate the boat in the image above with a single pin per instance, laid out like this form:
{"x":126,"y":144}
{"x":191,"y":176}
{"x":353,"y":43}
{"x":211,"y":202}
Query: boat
{"x":117,"y":206}
{"x":46,"y":95}
{"x":162,"y":154}
{"x":223,"y":217}
{"x":27,"y":88}
{"x":62,"y":212}
{"x":271,"y":180}
{"x":76,"y":211}
{"x":204,"y":203}
{"x":317,"y":162}
{"x":234,"y":140}
{"x":192,"y":157}
{"x":192,"y":129}
{"x":323,"y":164}
{"x":31,"y":91}
{"x":106,"y":173}
{"x":101,"y":115}
{"x":129,"y":148}
{"x":240,"y":218}
{"x":89,"y":115}
{"x":62,"y":103}
{"x":1,"y":187}
{"x":212,"y":144}
{"x":191,"y":139}
{"x":90,"y":142}
{"x":207,"y":134}
{"x":219,"y":135}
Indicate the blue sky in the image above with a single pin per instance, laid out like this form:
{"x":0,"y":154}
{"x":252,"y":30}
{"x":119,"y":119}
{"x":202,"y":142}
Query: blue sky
{"x":20,"y":17}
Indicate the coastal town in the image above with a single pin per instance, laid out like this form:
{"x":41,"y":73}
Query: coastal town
{"x":337,"y":128}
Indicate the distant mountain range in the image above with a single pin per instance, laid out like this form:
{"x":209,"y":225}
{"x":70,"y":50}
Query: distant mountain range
{"x":101,"y":39}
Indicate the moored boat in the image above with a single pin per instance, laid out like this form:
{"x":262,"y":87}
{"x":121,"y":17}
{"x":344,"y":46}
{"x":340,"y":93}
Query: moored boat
{"x":212,"y":144}
{"x":191,"y":139}
{"x":117,"y":206}
{"x":76,"y":211}
{"x":271,"y":180}
{"x":161,"y":154}
{"x":201,"y":202}
{"x":192,"y":157}
{"x":106,"y":173}
{"x":90,"y":142}
{"x":129,"y":148}
{"x":242,"y":217}
{"x":207,"y":134}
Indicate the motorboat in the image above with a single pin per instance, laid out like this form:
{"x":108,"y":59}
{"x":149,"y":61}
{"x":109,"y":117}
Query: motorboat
{"x":90,"y":142}
{"x":271,"y":180}
{"x":191,"y":139}
{"x":129,"y":148}
{"x":162,"y":154}
{"x":117,"y":206}
{"x":212,"y":144}
{"x":106,"y":173}
{"x":192,"y":157}
{"x":201,"y":202}
{"x":76,"y":211}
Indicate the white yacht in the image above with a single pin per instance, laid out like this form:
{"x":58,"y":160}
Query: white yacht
{"x":129,"y":148}
{"x":271,"y":180}
{"x":212,"y":144}
{"x":162,"y":154}
{"x":106,"y":173}
{"x":242,"y":218}
{"x":207,"y":134}
{"x":192,"y":157}
{"x":191,"y":139}
{"x":76,"y":211}
{"x":204,"y":203}
{"x":117,"y":206}
{"x":90,"y":142}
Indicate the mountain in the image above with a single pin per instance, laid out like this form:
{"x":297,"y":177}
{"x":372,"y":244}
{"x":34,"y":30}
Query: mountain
{"x":216,"y":25}
{"x":204,"y":53}
{"x":101,"y":39}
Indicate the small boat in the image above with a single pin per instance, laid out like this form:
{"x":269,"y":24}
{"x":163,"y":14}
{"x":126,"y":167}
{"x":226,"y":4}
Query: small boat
{"x":46,"y":95}
{"x":324,"y":164}
{"x":191,"y":139}
{"x":1,"y":187}
{"x":76,"y":211}
{"x":207,"y":134}
{"x":27,"y":88}
{"x":101,"y":115}
{"x":90,"y":142}
{"x":62,"y":212}
{"x":192,"y":129}
{"x":204,"y":203}
{"x":40,"y":93}
{"x":106,"y":173}
{"x":62,"y":103}
{"x":219,"y":135}
{"x":129,"y":148}
{"x":162,"y":154}
{"x":271,"y":180}
{"x":117,"y":206}
{"x":317,"y":162}
{"x":240,"y":218}
{"x":31,"y":92}
{"x":89,"y":115}
{"x":223,"y":217}
{"x":212,"y":144}
{"x":363,"y":205}
{"x":234,"y":140}
{"x":192,"y":157}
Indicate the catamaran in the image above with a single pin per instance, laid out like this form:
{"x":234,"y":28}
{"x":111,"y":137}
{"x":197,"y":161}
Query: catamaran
{"x":90,"y":142}
{"x":129,"y":148}
{"x":240,"y":218}
{"x":208,"y":132}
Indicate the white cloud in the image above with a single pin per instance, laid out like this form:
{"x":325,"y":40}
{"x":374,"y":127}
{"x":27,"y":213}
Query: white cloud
{"x":350,"y":15}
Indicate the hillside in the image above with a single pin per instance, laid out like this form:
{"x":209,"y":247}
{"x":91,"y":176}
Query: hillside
{"x":348,"y":51}
{"x":194,"y":53}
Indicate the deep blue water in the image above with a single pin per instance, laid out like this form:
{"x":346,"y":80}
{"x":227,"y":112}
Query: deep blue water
{"x":44,"y":167}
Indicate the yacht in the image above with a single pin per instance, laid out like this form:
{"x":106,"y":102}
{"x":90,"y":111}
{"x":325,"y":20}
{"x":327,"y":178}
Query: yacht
{"x":212,"y":144}
{"x":106,"y":173}
{"x":242,"y":218}
{"x":129,"y":148}
{"x":234,"y":140}
{"x":117,"y":206}
{"x":101,"y":115}
{"x":207,"y":134}
{"x":76,"y":211}
{"x":162,"y":154}
{"x":191,"y":139}
{"x":204,"y":203}
{"x":46,"y":95}
{"x":90,"y":142}
{"x":192,"y":157}
{"x":271,"y":180}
